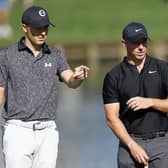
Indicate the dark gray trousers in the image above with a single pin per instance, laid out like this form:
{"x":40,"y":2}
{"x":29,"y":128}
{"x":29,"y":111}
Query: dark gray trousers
{"x":156,"y":148}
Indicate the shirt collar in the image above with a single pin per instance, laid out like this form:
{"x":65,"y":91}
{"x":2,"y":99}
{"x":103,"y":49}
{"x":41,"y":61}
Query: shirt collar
{"x":22,"y":46}
{"x":147,"y":60}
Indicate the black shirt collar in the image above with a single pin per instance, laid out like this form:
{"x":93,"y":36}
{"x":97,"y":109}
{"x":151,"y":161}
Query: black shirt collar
{"x":22,"y":46}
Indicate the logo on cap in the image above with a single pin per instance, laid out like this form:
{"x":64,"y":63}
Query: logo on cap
{"x":137,"y":30}
{"x":42,"y":12}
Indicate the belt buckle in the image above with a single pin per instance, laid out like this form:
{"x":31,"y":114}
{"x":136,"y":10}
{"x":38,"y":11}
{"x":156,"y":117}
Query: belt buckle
{"x":34,"y":126}
{"x":149,"y":136}
{"x":162,"y":134}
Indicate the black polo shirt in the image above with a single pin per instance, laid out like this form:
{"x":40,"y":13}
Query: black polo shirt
{"x":30,"y":81}
{"x":124,"y":82}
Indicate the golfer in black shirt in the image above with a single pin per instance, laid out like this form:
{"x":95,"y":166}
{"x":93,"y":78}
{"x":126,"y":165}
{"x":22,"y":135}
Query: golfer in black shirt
{"x":136,"y":105}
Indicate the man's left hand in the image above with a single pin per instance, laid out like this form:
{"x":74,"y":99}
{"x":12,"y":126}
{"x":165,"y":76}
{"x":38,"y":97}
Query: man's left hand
{"x":137,"y":103}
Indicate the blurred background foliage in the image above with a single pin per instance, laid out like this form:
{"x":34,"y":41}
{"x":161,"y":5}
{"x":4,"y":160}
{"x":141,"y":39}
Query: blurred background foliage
{"x":90,"y":21}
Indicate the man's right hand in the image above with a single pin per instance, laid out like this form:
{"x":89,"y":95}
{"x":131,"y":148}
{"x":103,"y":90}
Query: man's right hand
{"x":139,"y":153}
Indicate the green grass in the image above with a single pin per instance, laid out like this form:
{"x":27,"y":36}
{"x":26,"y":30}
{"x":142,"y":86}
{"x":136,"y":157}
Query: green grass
{"x":89,"y":21}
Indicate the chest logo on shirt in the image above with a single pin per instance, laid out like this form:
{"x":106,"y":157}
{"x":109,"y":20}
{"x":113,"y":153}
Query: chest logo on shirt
{"x":151,"y":72}
{"x":48,"y":64}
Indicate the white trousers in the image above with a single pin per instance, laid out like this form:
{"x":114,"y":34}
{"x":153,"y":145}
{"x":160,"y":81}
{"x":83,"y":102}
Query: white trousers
{"x":24,"y":147}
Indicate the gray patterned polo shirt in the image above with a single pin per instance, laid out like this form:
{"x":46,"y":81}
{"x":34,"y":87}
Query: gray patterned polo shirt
{"x":30,"y":82}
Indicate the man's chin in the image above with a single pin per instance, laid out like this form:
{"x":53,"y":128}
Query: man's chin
{"x":140,"y":57}
{"x":40,"y":42}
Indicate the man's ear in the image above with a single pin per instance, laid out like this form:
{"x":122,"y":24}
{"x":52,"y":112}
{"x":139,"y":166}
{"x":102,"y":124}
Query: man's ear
{"x":24,"y":27}
{"x":123,"y":42}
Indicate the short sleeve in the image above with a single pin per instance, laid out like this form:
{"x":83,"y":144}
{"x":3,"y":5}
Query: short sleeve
{"x":3,"y":68}
{"x":61,"y":62}
{"x":110,"y":89}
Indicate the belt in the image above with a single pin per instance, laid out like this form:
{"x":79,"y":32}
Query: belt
{"x":150,"y":135}
{"x":34,"y":125}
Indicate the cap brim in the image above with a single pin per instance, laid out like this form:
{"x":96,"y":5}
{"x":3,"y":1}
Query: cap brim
{"x":137,"y":38}
{"x":140,"y":39}
{"x":40,"y":24}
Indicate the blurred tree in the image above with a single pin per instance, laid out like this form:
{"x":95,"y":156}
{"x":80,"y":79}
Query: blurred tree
{"x":23,"y":2}
{"x":5,"y":28}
